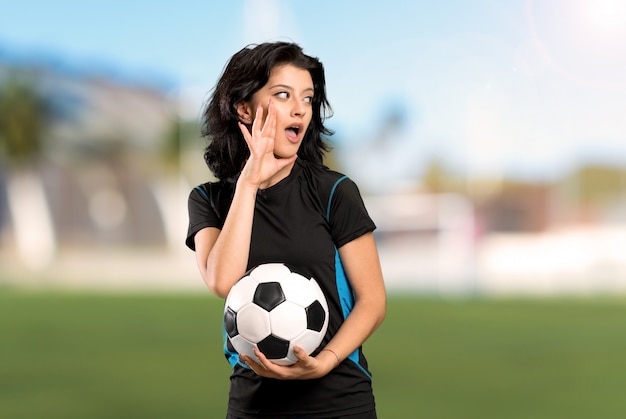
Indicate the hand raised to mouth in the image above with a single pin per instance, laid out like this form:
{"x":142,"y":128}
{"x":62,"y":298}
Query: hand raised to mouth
{"x":263,"y":163}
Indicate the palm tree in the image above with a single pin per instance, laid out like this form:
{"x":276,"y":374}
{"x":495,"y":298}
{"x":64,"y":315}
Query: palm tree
{"x":23,"y":113}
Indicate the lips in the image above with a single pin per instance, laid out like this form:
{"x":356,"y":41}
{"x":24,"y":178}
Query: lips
{"x":293,"y":132}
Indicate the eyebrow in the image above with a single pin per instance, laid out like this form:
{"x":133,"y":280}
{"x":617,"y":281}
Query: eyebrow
{"x":284,"y":86}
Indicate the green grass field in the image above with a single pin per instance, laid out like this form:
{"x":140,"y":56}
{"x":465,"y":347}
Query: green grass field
{"x":89,"y":356}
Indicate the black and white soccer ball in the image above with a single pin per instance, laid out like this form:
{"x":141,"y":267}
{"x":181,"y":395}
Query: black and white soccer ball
{"x":274,"y":309}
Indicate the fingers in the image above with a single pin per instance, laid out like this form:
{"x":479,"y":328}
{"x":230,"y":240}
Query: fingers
{"x":300,"y":353}
{"x":306,"y":367}
{"x":255,"y":366}
{"x":260,"y":355}
{"x":269,"y":128}
{"x":246,"y":134}
{"x":265,"y":125}
{"x":261,"y":135}
{"x":258,"y":118}
{"x":263,"y":367}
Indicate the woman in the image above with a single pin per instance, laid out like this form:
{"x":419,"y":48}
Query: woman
{"x":276,"y":202}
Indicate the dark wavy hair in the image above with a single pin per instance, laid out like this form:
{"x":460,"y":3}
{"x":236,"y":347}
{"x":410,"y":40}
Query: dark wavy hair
{"x":246,"y":73}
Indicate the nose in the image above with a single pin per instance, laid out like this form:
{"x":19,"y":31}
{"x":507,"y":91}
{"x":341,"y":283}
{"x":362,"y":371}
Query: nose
{"x":298,"y":108}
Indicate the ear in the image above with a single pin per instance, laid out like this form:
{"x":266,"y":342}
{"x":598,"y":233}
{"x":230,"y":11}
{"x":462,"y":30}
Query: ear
{"x":245,"y":112}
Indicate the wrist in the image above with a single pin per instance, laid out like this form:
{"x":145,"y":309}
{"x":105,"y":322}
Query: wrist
{"x":333,"y":355}
{"x":248,"y":185}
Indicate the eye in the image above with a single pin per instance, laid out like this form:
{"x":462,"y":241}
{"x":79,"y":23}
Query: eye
{"x":282,"y":95}
{"x":308,"y":99}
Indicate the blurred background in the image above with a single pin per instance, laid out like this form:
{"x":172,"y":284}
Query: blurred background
{"x":488,"y":138}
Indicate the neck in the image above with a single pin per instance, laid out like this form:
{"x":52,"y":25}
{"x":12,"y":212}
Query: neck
{"x":280,"y":175}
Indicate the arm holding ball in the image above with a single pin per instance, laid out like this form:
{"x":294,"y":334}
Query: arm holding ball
{"x":360,"y":259}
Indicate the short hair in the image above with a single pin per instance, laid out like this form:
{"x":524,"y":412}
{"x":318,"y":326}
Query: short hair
{"x":246,"y":73}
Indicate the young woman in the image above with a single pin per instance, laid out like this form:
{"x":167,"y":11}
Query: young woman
{"x":276,"y":202}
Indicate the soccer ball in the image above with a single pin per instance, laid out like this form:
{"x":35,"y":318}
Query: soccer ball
{"x":274,"y":308}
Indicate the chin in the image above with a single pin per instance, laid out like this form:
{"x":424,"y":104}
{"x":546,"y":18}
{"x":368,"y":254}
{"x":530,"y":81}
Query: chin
{"x":285,"y":154}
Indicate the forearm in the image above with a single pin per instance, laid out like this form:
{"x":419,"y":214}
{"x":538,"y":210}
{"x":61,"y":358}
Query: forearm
{"x":363,"y":320}
{"x":228,"y":259}
{"x":358,"y":326}
{"x":362,"y":265}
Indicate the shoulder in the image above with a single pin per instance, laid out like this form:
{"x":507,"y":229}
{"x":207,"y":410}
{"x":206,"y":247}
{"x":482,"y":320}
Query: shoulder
{"x":326,"y":179}
{"x":216,"y":195}
{"x":321,"y":176}
{"x":332,"y":187}
{"x":211,"y":190}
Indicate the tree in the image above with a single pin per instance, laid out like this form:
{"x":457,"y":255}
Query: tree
{"x":597,"y":184}
{"x":23,"y":113}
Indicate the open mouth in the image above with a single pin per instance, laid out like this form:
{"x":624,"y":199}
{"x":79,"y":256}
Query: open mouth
{"x":295,"y":129}
{"x":292,"y":132}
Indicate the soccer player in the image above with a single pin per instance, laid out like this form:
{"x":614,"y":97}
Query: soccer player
{"x":275,"y":201}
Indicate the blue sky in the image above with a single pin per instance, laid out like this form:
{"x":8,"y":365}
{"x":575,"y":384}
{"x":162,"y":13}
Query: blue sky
{"x":493,"y":87}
